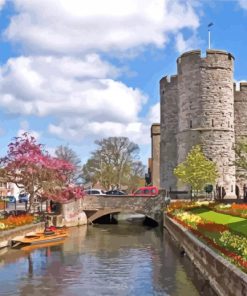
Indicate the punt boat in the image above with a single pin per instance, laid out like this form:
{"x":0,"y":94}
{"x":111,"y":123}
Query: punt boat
{"x":41,"y":237}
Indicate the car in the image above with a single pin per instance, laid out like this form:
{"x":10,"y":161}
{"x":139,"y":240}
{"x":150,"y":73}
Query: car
{"x":146,"y":191}
{"x":115,"y":192}
{"x":23,"y":197}
{"x":94,"y":191}
{"x":10,"y":198}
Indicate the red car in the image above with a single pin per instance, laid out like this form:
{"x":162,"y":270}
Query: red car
{"x":146,"y":191}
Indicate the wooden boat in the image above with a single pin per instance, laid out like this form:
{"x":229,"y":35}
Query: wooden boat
{"x":41,"y":237}
{"x":29,"y":248}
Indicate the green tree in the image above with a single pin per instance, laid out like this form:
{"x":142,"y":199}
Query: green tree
{"x":114,"y":163}
{"x":241,"y":157}
{"x":196,"y":170}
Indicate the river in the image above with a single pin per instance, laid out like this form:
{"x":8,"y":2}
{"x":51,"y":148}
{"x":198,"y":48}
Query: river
{"x":121,"y":260}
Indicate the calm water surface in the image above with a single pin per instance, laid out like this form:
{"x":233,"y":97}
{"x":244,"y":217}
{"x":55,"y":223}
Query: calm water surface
{"x":106,"y":260}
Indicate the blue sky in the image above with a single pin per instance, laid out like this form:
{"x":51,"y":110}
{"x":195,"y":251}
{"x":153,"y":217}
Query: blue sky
{"x":73,"y":71}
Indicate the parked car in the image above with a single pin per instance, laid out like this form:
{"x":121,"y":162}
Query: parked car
{"x":4,"y":214}
{"x":23,"y":197}
{"x":11,"y":198}
{"x":115,"y":192}
{"x":146,"y":191}
{"x":95,"y":191}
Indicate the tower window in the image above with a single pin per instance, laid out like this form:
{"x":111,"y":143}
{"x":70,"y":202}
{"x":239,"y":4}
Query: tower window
{"x":190,"y":123}
{"x":212,"y":123}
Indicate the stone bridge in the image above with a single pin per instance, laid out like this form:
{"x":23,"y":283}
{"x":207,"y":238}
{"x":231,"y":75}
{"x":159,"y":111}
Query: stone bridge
{"x":96,"y":206}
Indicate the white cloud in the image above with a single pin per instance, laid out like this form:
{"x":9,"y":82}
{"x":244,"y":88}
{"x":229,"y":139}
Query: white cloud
{"x":183,"y":44}
{"x":2,"y":2}
{"x":154,"y":114}
{"x":24,"y":128}
{"x":44,"y":86}
{"x":35,"y":134}
{"x":63,"y":75}
{"x":243,"y":3}
{"x":82,"y":130}
{"x":80,"y":94}
{"x":77,"y":26}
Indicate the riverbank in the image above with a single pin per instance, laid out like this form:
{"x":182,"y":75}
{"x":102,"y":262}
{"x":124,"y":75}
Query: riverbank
{"x":223,"y":276}
{"x":7,"y":236}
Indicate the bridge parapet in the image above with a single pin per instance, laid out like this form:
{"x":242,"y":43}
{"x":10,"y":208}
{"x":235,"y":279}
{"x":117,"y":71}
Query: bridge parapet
{"x":149,"y":206}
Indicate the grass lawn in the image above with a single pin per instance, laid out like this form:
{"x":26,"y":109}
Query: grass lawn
{"x":235,"y":223}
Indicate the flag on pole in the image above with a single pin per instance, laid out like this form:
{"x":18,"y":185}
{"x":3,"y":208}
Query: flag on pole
{"x":210,"y":25}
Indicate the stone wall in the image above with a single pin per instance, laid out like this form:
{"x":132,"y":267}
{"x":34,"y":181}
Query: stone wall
{"x":155,"y":143}
{"x":72,"y":213}
{"x":149,"y":206}
{"x":197,"y":107}
{"x":7,"y":235}
{"x":224,"y":277}
{"x":168,"y":131}
{"x":240,"y":120}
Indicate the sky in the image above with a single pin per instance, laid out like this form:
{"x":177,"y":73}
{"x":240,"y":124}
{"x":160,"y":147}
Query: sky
{"x":76,"y":71}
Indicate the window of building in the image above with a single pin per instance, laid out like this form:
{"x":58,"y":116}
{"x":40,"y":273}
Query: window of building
{"x":212,"y":123}
{"x":190,"y":123}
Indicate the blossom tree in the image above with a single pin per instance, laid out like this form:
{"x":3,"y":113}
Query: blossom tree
{"x":31,"y":168}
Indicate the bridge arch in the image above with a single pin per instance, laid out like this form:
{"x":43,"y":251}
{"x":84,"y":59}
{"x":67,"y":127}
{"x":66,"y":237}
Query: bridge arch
{"x":103,"y":212}
{"x":99,"y":206}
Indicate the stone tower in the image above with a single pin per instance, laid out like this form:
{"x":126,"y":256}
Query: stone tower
{"x":155,"y":168}
{"x":197,"y":107}
{"x":240,"y":122}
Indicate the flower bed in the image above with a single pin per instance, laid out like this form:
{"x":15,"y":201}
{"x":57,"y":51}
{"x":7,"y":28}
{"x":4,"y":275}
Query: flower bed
{"x":15,"y":221}
{"x":224,"y":237}
{"x":238,"y":210}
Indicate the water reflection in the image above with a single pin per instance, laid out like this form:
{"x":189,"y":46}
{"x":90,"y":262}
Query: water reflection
{"x":102,"y":260}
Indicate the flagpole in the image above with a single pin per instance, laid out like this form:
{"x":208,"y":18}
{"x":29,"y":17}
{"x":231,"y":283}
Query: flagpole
{"x":209,"y":38}
{"x":209,"y":35}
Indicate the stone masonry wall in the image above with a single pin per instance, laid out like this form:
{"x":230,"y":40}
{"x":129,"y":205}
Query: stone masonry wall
{"x":150,"y":206}
{"x":168,"y":131}
{"x":155,"y":136}
{"x":240,"y":121}
{"x":224,"y":277}
{"x":205,"y":114}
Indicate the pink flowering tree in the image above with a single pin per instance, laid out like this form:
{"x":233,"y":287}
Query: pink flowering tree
{"x":31,"y":168}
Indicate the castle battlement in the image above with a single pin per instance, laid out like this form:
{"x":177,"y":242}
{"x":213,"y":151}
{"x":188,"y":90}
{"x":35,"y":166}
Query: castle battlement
{"x":214,"y":58}
{"x":169,"y":79}
{"x":198,"y":54}
{"x":197,"y":107}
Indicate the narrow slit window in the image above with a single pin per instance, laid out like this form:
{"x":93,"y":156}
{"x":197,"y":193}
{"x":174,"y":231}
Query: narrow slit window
{"x":190,"y":123}
{"x":212,"y":123}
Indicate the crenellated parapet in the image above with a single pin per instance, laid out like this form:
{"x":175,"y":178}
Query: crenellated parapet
{"x":197,"y":107}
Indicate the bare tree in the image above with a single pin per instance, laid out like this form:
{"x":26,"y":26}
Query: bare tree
{"x":69,"y":155}
{"x":112,"y":163}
